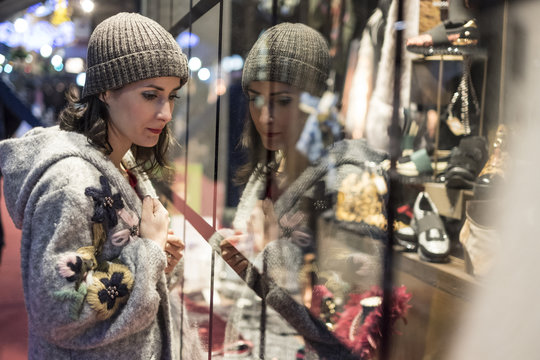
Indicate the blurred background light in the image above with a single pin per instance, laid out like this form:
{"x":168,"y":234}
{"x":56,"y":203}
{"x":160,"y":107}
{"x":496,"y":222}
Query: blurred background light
{"x":232,"y":63}
{"x":194,"y":63}
{"x":87,"y":5}
{"x":221,"y":87}
{"x":45,"y":51}
{"x":74,"y":65}
{"x":81,"y":79}
{"x":56,"y":60}
{"x":21,"y":25}
{"x":204,"y":74}
{"x":187,"y":39}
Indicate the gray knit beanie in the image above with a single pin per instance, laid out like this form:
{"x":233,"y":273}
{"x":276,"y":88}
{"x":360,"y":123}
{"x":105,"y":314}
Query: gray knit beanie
{"x":129,"y":47}
{"x":294,"y":54}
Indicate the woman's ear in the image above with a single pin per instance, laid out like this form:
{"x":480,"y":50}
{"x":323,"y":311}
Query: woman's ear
{"x":103,"y":97}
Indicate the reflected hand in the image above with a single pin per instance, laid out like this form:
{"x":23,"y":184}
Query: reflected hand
{"x":173,"y":249}
{"x":262,"y":224}
{"x":231,"y":254}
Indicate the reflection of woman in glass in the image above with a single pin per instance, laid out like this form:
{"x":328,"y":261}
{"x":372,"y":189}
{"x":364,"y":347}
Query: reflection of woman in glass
{"x":286,"y":197}
{"x":95,"y":243}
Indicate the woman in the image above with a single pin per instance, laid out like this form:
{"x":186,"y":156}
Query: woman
{"x":297,"y":204}
{"x":95,"y":242}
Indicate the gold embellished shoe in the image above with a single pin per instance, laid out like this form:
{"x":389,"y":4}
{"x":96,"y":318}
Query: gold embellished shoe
{"x":449,"y":38}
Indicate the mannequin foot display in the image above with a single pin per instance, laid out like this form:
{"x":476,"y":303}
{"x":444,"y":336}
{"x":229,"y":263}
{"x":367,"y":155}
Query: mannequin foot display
{"x":433,"y":242}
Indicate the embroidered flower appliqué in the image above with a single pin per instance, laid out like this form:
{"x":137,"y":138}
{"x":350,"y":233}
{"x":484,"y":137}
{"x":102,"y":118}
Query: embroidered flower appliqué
{"x":105,"y":203}
{"x":75,"y":298}
{"x":291,"y":226}
{"x":75,"y":266}
{"x":109,"y":290}
{"x":123,"y":236}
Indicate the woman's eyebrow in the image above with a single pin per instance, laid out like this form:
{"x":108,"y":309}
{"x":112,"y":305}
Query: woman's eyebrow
{"x":160,"y":88}
{"x":286,"y":92}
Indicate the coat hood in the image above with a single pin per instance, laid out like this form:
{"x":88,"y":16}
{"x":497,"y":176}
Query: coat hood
{"x":23,"y":161}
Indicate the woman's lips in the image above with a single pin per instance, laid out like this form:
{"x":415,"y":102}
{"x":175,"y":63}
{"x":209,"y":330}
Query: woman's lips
{"x":155,"y":131}
{"x":272,"y":134}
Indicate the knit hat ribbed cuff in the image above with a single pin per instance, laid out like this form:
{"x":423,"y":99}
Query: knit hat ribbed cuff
{"x":134,"y":67}
{"x":284,"y":69}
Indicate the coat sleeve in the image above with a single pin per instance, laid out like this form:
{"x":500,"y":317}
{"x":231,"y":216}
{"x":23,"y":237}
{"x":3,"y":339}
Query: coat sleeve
{"x":69,"y":304}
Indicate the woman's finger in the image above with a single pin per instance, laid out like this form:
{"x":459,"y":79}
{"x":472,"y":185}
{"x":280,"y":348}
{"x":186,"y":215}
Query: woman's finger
{"x":177,"y":243}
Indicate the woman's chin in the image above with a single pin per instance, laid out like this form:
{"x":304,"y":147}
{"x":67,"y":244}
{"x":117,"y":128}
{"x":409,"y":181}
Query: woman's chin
{"x":272,"y":146}
{"x":147,"y":143}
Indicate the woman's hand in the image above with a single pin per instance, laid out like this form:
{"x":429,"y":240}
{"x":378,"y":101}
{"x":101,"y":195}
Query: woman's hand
{"x":231,"y":254}
{"x":262,"y":224}
{"x":154,"y":221}
{"x":173,"y":248}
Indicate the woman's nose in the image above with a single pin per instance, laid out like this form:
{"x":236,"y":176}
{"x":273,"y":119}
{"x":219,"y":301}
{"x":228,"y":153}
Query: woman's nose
{"x":165,"y":112}
{"x":266,"y":115}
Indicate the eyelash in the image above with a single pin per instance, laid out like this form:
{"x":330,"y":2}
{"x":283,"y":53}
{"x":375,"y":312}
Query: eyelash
{"x":281,"y":102}
{"x":151,"y":97}
{"x":284,"y":102}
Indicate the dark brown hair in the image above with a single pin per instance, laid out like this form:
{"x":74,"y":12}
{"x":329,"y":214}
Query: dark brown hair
{"x":256,"y":154}
{"x":89,"y":116}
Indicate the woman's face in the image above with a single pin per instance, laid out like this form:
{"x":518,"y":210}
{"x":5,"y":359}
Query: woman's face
{"x":274,"y":109}
{"x":139,"y":111}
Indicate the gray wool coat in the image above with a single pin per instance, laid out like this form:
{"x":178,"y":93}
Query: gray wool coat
{"x":46,"y":174}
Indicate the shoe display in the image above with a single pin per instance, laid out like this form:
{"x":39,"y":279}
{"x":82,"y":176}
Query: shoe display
{"x":456,"y":36}
{"x":466,"y":162}
{"x":492,"y":173}
{"x":433,"y":242}
{"x":420,"y":163}
{"x":404,"y":234}
{"x":447,"y":38}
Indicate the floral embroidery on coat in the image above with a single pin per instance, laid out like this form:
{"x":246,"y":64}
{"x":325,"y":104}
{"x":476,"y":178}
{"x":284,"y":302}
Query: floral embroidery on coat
{"x":75,"y":266}
{"x":105,"y":203}
{"x":104,"y":285}
{"x":121,"y":237}
{"x":76,"y":299}
{"x":109,"y":290}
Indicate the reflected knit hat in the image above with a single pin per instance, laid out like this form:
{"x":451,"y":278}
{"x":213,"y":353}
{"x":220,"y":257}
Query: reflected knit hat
{"x":294,"y":54}
{"x":129,"y":47}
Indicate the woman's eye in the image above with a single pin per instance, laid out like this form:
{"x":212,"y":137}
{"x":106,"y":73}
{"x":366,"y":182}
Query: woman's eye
{"x":284,"y":101}
{"x":257,"y":100}
{"x":173,"y":97}
{"x":149,"y":96}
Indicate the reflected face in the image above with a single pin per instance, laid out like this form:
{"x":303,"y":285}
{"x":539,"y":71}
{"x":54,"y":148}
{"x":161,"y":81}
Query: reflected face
{"x":274,"y":110}
{"x":139,"y":111}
